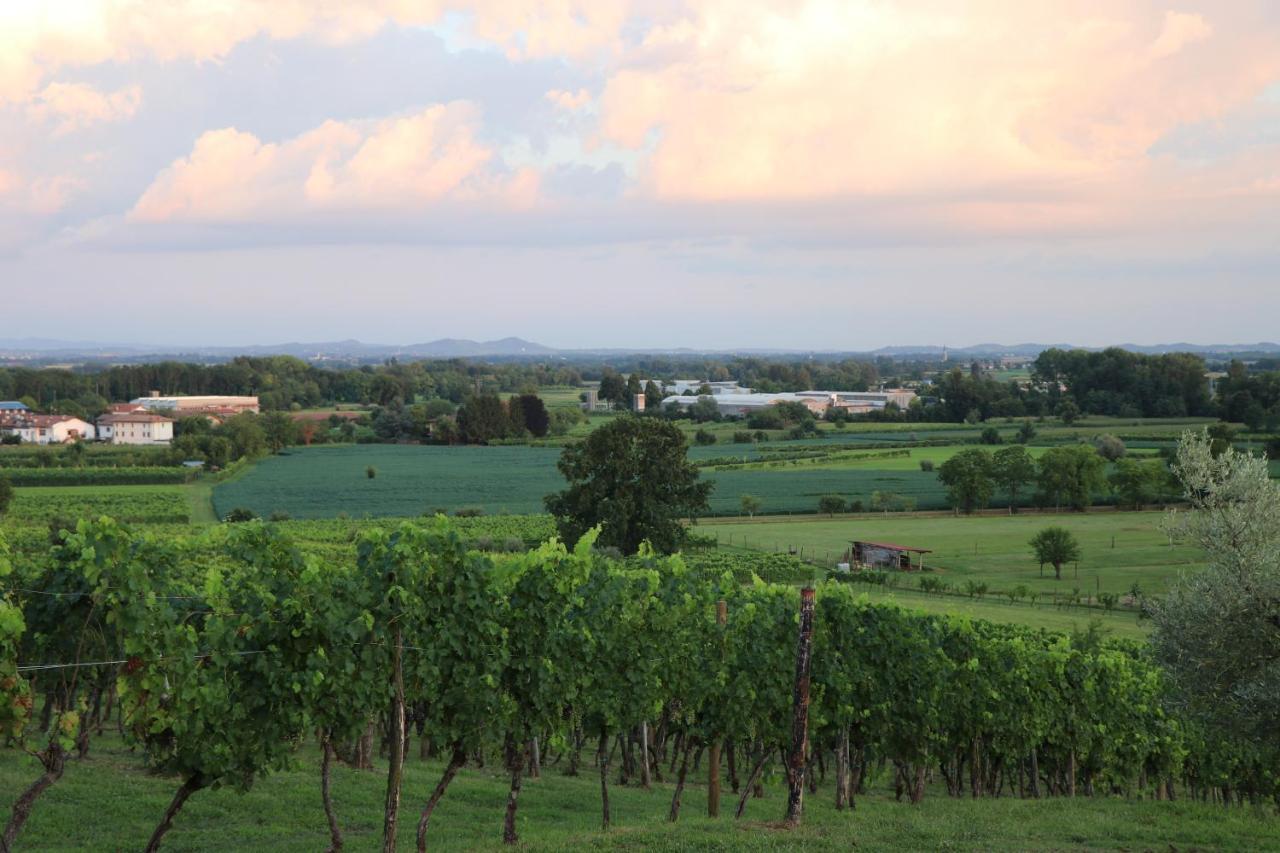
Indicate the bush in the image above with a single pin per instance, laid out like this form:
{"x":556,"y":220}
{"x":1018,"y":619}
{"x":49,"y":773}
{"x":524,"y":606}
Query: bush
{"x":855,"y":505}
{"x":743,"y":437}
{"x":371,"y":472}
{"x":704,"y":437}
{"x":483,"y":543}
{"x":513,"y":545}
{"x":926,"y":465}
{"x":279,"y":515}
{"x":240,"y":514}
{"x":469,"y":512}
{"x":990,"y":435}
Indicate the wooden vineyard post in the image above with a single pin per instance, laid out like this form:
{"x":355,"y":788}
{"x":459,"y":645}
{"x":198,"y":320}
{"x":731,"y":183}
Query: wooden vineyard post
{"x":800,"y":711}
{"x":713,"y":754}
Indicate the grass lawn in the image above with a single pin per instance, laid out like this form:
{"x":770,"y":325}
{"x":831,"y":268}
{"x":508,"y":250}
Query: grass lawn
{"x":109,"y":801}
{"x":1118,"y":549}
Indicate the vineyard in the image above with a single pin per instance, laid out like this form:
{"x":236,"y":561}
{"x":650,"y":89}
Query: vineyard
{"x":153,"y":475}
{"x":220,"y":669}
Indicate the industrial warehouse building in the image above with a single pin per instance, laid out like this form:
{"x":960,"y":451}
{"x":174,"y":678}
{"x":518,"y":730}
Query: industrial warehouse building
{"x":854,"y":402}
{"x":184,"y":405}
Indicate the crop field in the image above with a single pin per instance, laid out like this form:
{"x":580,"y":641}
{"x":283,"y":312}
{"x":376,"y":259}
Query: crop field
{"x":1118,"y":549}
{"x":146,"y":504}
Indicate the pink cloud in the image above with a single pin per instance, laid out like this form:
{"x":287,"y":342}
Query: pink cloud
{"x":73,"y":106}
{"x":401,"y":163}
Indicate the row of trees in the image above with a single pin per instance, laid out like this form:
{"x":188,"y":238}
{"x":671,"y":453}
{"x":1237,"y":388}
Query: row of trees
{"x":226,"y":670}
{"x":1071,"y":475}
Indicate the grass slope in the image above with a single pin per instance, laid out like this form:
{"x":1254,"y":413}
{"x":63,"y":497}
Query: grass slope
{"x":1118,"y":548}
{"x":109,"y":801}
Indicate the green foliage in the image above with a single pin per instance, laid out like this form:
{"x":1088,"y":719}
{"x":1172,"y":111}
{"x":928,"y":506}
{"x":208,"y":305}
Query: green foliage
{"x":1055,"y":546}
{"x":6,"y":493}
{"x":121,"y":476}
{"x":831,"y":504}
{"x":1012,"y":468}
{"x":967,"y":476}
{"x":1071,"y":475}
{"x":631,"y":478}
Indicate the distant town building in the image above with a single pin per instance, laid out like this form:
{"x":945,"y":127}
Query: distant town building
{"x":683,"y":387}
{"x":13,"y":406}
{"x":135,"y":428}
{"x":182,"y":406}
{"x":45,"y":429}
{"x":637,"y":402}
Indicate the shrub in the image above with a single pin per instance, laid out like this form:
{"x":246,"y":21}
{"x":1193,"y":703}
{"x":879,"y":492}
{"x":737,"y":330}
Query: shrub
{"x":279,"y":515}
{"x":704,"y":437}
{"x":239,"y":514}
{"x":990,"y":435}
{"x":469,"y":512}
{"x":926,"y":465}
{"x":371,"y":472}
{"x":743,"y":437}
{"x":513,"y":545}
{"x":855,"y":505}
{"x":483,"y":543}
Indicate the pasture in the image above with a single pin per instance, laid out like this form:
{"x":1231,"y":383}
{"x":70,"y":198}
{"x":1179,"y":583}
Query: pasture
{"x":1118,"y":549}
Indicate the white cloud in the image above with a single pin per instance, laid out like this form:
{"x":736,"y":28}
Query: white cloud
{"x":74,"y":106}
{"x":405,"y":162}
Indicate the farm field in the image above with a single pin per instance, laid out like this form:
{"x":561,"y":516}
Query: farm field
{"x":990,"y":549}
{"x":38,"y":504}
{"x":283,"y":812}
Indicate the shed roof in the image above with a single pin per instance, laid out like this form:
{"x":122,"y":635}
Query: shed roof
{"x":889,"y":546}
{"x":12,"y":406}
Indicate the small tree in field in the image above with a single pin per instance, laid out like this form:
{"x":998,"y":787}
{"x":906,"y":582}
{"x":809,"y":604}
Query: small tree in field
{"x":6,"y":494}
{"x":750,"y":505}
{"x":831,"y":504}
{"x":1055,"y":546}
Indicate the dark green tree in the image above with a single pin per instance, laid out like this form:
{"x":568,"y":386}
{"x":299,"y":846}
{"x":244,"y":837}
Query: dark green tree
{"x":1055,"y":546}
{"x":536,"y":418}
{"x":1071,"y":475}
{"x":1012,"y":468}
{"x":6,"y":493}
{"x":967,"y":476}
{"x":482,"y":419}
{"x":613,"y":388}
{"x":632,"y":478}
{"x":279,"y":430}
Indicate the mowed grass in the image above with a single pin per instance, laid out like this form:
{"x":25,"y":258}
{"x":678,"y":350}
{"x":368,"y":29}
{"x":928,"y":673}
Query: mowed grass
{"x":1118,"y":549}
{"x":110,"y":801}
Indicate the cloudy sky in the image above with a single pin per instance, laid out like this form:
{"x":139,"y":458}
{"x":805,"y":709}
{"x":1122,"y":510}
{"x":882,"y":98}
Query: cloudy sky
{"x":795,"y":173}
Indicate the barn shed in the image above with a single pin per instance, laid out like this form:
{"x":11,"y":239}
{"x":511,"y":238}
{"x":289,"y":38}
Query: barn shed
{"x":886,"y":555}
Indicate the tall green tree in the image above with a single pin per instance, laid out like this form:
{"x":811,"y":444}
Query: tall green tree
{"x":967,"y":476}
{"x":632,"y":478}
{"x":1135,"y":482}
{"x":483,"y":418}
{"x":1055,"y":546}
{"x":279,"y":430}
{"x":1012,"y":468}
{"x":1071,"y":475}
{"x":534,"y":412}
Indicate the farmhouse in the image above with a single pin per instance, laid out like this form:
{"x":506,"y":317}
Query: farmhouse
{"x":45,"y":429}
{"x":183,"y":405}
{"x":135,"y":428}
{"x":886,"y":555}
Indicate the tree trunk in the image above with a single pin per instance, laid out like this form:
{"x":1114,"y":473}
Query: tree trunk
{"x":456,"y":761}
{"x":684,"y":770}
{"x":335,"y":831}
{"x":751,"y":781}
{"x":535,"y":759}
{"x":603,"y":756}
{"x":395,"y":744}
{"x":185,"y":790}
{"x":917,"y":789}
{"x":54,"y":760}
{"x":1035,"y":774}
{"x":798,"y":760}
{"x":575,"y":752}
{"x":733,"y":765}
{"x":516,"y":759}
{"x":842,"y":770}
{"x":1071,"y":773}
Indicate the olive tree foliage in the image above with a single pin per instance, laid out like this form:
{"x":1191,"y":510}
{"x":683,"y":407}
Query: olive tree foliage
{"x":1218,"y":630}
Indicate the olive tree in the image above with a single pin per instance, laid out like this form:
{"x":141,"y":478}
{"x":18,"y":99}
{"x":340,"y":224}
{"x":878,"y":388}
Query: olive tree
{"x":1218,"y":630}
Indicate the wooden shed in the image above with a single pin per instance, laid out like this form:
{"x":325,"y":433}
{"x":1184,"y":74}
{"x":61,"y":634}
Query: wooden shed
{"x":886,"y":555}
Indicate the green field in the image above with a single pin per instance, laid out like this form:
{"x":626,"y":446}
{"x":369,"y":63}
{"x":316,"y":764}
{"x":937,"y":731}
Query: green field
{"x":1118,"y":549}
{"x":283,"y":813}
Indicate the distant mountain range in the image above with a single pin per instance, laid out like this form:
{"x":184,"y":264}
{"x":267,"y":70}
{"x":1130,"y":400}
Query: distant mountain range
{"x":45,"y":349}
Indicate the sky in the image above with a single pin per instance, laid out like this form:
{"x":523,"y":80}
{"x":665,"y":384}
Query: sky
{"x":810,"y":174}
